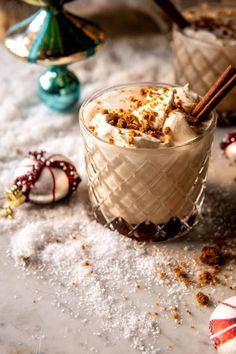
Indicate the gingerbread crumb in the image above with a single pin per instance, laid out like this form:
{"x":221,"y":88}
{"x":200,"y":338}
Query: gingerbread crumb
{"x":181,"y":275}
{"x":202,"y":299}
{"x":162,"y":275}
{"x":56,"y":240}
{"x":86,"y":263}
{"x":92,"y":128}
{"x":211,"y":256}
{"x":206,"y":278}
{"x":216,"y":270}
{"x":111,"y":140}
{"x":175,"y":313}
{"x":18,"y":151}
{"x":167,"y":130}
{"x":83,"y":246}
{"x":143,"y":91}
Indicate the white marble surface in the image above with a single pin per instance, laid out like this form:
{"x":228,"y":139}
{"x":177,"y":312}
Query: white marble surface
{"x":36,"y":316}
{"x":35,"y":319}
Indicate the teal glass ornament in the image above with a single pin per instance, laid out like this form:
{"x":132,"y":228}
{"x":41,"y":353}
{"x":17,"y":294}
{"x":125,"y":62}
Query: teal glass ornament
{"x":59,"y":88}
{"x":55,"y":37}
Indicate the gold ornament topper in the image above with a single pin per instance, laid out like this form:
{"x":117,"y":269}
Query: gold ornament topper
{"x":14,"y":198}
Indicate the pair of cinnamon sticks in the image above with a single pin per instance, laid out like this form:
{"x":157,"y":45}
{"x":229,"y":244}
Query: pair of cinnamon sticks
{"x":215,"y":94}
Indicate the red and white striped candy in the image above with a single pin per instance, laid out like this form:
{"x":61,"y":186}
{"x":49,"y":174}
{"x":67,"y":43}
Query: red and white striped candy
{"x":223,"y":326}
{"x":45,"y":178}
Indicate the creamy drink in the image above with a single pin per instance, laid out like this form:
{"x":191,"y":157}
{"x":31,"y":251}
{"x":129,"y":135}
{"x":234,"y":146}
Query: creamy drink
{"x":146,"y":161}
{"x":203,"y":50}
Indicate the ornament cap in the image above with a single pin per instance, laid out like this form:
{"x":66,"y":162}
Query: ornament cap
{"x":14,"y":198}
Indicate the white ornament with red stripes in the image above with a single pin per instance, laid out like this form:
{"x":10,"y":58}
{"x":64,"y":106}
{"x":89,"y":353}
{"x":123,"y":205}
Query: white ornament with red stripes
{"x":230,"y":152}
{"x":223,"y":326}
{"x":46,"y":177}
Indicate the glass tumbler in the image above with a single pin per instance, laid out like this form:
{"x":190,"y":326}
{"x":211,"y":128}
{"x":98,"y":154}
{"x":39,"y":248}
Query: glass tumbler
{"x":200,"y":63}
{"x":145,"y":193}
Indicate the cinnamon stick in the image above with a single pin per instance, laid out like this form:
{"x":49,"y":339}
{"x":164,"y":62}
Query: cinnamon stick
{"x":222,"y":80}
{"x":171,"y":11}
{"x":217,"y":98}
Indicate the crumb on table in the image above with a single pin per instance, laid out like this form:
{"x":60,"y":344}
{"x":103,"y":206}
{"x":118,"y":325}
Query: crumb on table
{"x":202,"y":299}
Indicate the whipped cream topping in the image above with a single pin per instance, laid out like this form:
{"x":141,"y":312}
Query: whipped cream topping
{"x":212,"y":25}
{"x":144,"y":117}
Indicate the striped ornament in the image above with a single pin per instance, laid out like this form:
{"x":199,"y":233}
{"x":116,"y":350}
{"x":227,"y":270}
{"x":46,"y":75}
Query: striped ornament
{"x":223,"y":326}
{"x":45,"y":178}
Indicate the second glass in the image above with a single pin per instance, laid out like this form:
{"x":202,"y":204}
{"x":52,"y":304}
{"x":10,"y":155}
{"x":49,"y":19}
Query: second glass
{"x":200,"y":63}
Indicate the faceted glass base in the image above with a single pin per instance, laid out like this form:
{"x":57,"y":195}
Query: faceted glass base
{"x":148,"y":231}
{"x":59,"y":88}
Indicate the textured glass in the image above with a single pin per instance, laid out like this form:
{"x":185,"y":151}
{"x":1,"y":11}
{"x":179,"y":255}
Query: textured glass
{"x":146,"y":193}
{"x":200,"y":64}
